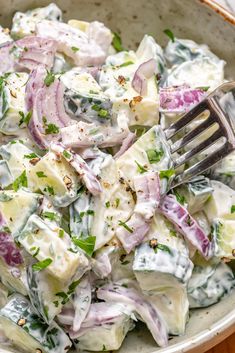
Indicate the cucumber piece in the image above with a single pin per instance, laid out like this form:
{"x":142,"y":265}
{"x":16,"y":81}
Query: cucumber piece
{"x":105,"y":336}
{"x":3,"y":295}
{"x":13,"y":99}
{"x":224,"y":238}
{"x":23,"y":24}
{"x":10,"y":204}
{"x":209,"y":284}
{"x":84,"y":98}
{"x":202,"y":220}
{"x":56,"y":179}
{"x":27,"y":331}
{"x":224,"y":171}
{"x":173,"y":305}
{"x":19,"y":157}
{"x":194,"y":193}
{"x":158,"y":266}
{"x":220,"y":202}
{"x":149,"y":153}
{"x":6,"y":178}
{"x":182,"y":50}
{"x":14,"y":278}
{"x":46,"y":243}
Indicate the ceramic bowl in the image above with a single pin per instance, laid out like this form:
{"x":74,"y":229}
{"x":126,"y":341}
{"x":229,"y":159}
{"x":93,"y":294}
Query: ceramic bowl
{"x":204,"y":22}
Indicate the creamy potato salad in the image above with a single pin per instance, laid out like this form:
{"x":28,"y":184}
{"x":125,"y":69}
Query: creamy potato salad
{"x":91,"y":239}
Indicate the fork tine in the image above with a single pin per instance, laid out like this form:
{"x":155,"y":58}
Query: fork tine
{"x":203,"y":165}
{"x":199,"y":148}
{"x":209,"y":122}
{"x":186,"y":119}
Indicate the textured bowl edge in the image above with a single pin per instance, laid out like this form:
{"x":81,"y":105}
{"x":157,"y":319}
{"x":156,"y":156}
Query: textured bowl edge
{"x":220,"y":10}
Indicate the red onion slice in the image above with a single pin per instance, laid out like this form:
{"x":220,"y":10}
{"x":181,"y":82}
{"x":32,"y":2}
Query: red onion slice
{"x":186,"y":225}
{"x":132,"y":232}
{"x":144,"y":72}
{"x":179,"y":99}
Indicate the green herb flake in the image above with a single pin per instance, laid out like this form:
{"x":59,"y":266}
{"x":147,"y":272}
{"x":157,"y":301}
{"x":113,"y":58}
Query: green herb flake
{"x":125,"y":262}
{"x":103,"y":113}
{"x":166,"y":173}
{"x":50,"y":215}
{"x":123,"y":224}
{"x":179,"y":198}
{"x":90,"y":212}
{"x":87,"y":244}
{"x":117,"y":202}
{"x":233,"y":209}
{"x":107,"y":204}
{"x":51,"y":129}
{"x":61,"y":233}
{"x":169,"y":34}
{"x":73,"y":286}
{"x":204,"y":88}
{"x":66,"y":154}
{"x":163,"y":247}
{"x":30,"y":156}
{"x":117,"y":42}
{"x":12,"y":142}
{"x":127,"y":63}
{"x":141,"y":169}
{"x":50,"y":190}
{"x":49,"y":79}
{"x":36,"y":249}
{"x":75,"y":49}
{"x":64,"y":296}
{"x":21,"y":181}
{"x":56,"y":303}
{"x":104,"y":348}
{"x":41,"y":174}
{"x":42,"y":264}
{"x":25,"y":118}
{"x":154,"y":156}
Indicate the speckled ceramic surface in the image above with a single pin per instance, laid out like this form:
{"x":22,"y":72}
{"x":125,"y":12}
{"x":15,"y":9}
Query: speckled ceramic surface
{"x":193,"y":19}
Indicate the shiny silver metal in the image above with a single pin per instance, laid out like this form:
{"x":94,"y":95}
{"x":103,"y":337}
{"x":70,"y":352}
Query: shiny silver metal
{"x":220,"y":109}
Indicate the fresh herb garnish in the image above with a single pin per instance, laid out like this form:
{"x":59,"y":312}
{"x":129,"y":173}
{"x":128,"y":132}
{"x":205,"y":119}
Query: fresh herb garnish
{"x":49,"y":79}
{"x":163,"y":247}
{"x":30,"y":156}
{"x":25,"y":118}
{"x":71,"y":289}
{"x":41,"y":174}
{"x":36,"y":249}
{"x":103,"y":113}
{"x":75,"y":49}
{"x":123,"y":224}
{"x":66,"y":154}
{"x":50,"y":215}
{"x":107,"y":204}
{"x":179,"y":198}
{"x":51,"y":129}
{"x":204,"y":88}
{"x":141,"y":169}
{"x":117,"y":202}
{"x":154,"y":156}
{"x":127,"y":63}
{"x":166,"y":173}
{"x":117,"y":42}
{"x":50,"y":190}
{"x":233,"y":209}
{"x":170,"y":34}
{"x":42,"y":264}
{"x":21,"y":181}
{"x":87,"y":244}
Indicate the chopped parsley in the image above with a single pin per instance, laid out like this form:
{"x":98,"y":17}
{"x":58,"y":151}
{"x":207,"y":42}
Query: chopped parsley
{"x":103,"y":113}
{"x":56,"y":303}
{"x":36,"y":249}
{"x":49,"y":79}
{"x":233,"y":209}
{"x":107,"y":204}
{"x":50,"y":215}
{"x":61,"y":233}
{"x":169,"y":34}
{"x":30,"y":156}
{"x":203,"y":88}
{"x":154,"y":156}
{"x":123,"y":224}
{"x":42,"y":264}
{"x":25,"y":118}
{"x":21,"y":181}
{"x":87,"y":244}
{"x":71,"y":289}
{"x":163,"y":247}
{"x":127,"y":63}
{"x":66,"y":154}
{"x":117,"y":202}
{"x":50,"y":190}
{"x":75,"y":49}
{"x":179,"y":198}
{"x":117,"y":42}
{"x":41,"y":174}
{"x":166,"y":173}
{"x":141,"y":169}
{"x":51,"y":129}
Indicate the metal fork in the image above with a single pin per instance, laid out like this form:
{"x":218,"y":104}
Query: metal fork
{"x":220,"y":105}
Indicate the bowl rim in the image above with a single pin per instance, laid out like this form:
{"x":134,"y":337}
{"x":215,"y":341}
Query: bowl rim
{"x":220,"y":10}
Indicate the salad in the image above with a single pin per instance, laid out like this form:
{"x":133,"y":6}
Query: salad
{"x":91,"y":238}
